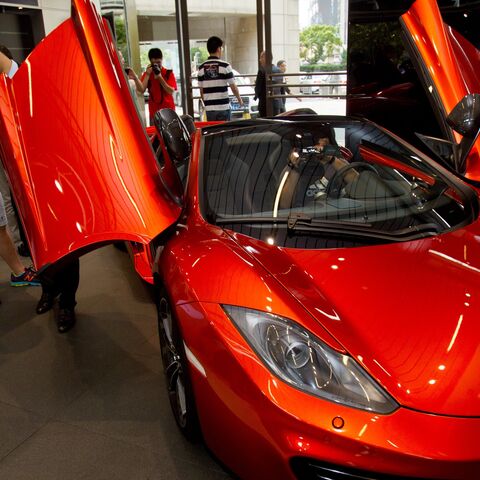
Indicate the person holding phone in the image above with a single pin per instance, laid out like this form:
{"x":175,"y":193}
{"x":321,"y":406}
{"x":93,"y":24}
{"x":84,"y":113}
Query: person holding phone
{"x":136,"y":87}
{"x":160,"y":82}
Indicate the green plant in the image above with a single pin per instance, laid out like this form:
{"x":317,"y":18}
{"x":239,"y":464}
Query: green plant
{"x":318,"y":42}
{"x":324,"y":67}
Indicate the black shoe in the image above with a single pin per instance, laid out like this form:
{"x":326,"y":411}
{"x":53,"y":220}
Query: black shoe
{"x":45,"y":303}
{"x":65,"y":319}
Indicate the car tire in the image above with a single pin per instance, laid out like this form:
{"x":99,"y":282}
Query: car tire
{"x":175,"y":366}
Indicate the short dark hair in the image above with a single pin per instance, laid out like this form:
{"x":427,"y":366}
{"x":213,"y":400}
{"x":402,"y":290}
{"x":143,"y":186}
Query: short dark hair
{"x":155,"y":53}
{"x":280,"y":62}
{"x":268,"y":57}
{"x":213,"y":44}
{"x":6,"y":52}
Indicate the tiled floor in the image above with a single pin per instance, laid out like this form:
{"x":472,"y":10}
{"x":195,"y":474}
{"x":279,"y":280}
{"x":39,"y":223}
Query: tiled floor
{"x":90,"y":404}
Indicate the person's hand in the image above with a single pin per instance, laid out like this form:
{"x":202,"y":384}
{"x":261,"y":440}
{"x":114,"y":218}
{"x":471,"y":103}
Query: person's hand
{"x":148,"y":70}
{"x":240,"y":101}
{"x":294,"y":157}
{"x":131,"y":74}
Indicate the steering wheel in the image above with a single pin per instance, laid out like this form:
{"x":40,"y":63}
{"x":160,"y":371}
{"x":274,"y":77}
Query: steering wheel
{"x":335,"y":185}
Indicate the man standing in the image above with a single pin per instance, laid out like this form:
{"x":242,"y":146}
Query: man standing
{"x":263,"y":75}
{"x":214,"y":78}
{"x":161,"y":83}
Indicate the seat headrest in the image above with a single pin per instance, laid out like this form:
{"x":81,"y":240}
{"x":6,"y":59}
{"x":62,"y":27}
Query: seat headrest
{"x":174,"y":134}
{"x":189,"y":123}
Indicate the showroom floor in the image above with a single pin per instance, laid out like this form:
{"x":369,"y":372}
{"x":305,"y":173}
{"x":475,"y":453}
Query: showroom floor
{"x":89,"y":404}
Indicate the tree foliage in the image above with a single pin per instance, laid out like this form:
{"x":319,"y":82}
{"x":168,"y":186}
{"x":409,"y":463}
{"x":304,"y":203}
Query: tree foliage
{"x":317,"y":42}
{"x":370,"y":38}
{"x":121,"y":34}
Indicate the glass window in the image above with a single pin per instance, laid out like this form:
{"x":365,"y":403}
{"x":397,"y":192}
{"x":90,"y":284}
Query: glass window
{"x":350,"y":180}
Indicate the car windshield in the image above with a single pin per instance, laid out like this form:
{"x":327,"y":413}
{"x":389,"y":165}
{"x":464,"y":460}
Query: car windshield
{"x":347,"y":181}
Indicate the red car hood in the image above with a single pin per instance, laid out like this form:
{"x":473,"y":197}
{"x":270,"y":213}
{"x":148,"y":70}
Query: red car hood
{"x":407,"y":312}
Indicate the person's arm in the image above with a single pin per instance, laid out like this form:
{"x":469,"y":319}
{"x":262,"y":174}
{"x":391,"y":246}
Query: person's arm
{"x":138,"y":83}
{"x":163,"y":83}
{"x":5,"y":64}
{"x":236,"y":92}
{"x":339,"y":163}
{"x":145,"y":77}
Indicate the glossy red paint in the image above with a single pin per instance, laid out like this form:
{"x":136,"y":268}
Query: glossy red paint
{"x":274,"y":422}
{"x":406,"y":312}
{"x":452,"y":63}
{"x":80,"y":105}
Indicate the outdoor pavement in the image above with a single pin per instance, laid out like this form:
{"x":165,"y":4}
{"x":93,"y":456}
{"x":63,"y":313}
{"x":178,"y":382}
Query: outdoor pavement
{"x":89,"y":404}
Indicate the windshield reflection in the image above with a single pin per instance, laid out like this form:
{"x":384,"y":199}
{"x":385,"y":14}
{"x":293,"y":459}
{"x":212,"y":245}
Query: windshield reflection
{"x":349,"y":181}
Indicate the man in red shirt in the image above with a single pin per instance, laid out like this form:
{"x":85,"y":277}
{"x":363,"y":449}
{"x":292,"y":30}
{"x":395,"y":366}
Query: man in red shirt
{"x":161,"y":83}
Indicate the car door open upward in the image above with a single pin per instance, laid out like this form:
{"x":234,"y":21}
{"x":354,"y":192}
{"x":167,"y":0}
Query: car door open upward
{"x":79,"y":163}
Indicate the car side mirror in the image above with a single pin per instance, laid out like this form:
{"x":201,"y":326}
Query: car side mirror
{"x":465,"y":119}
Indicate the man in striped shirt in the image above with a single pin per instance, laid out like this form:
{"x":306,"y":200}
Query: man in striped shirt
{"x":214,"y":78}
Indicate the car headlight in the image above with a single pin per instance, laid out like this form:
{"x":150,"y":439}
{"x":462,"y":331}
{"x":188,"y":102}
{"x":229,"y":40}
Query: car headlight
{"x":305,"y":362}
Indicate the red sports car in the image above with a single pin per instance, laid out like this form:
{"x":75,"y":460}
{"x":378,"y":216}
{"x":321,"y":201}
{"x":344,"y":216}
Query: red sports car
{"x":317,"y":277}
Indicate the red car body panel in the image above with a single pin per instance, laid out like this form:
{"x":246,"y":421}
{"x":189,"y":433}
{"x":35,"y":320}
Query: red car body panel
{"x":83,"y":172}
{"x":274,"y":422}
{"x":80,"y":165}
{"x":452,"y":63}
{"x":378,"y":309}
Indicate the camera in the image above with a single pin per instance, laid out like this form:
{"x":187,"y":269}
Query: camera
{"x":156,"y":69}
{"x":127,"y":70}
{"x":328,"y":152}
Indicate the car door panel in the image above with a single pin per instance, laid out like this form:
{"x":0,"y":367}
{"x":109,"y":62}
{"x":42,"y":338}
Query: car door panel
{"x":448,"y":64}
{"x":79,"y":162}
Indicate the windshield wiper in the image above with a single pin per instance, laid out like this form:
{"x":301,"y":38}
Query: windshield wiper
{"x":292,"y":221}
{"x":302,"y":223}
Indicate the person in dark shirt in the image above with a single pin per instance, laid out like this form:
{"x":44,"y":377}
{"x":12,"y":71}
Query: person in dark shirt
{"x":261,"y":81}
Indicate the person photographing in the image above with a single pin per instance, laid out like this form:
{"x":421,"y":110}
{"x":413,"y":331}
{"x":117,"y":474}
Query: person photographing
{"x":160,"y":82}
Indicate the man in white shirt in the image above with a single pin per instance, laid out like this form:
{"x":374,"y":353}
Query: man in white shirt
{"x":214,"y":78}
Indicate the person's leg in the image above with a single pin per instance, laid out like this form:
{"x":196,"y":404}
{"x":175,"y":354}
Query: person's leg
{"x":10,"y":209}
{"x":21,"y":276}
{"x":218,"y":115}
{"x":49,"y":292}
{"x":9,"y":253}
{"x":68,"y":278}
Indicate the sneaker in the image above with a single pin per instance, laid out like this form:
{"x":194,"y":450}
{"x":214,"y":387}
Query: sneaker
{"x":27,"y":278}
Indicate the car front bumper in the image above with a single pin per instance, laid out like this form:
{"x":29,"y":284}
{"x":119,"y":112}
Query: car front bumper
{"x":259,"y":426}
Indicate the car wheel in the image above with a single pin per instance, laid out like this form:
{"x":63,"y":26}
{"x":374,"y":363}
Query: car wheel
{"x":174,"y":359}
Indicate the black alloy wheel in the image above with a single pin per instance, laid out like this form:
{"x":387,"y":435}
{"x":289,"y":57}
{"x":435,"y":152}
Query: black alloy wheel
{"x":175,"y":365}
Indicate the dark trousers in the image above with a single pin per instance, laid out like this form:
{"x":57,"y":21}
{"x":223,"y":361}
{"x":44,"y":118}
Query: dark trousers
{"x":64,"y":282}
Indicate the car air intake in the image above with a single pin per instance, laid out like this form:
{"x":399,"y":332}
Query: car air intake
{"x":308,"y":469}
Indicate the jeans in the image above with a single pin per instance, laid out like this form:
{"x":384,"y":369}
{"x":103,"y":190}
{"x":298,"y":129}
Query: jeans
{"x":218,"y":115}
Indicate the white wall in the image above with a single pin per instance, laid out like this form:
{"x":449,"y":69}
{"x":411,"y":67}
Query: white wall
{"x":232,"y":20}
{"x":56,"y":11}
